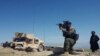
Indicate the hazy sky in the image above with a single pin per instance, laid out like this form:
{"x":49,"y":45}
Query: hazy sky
{"x":41,"y":16}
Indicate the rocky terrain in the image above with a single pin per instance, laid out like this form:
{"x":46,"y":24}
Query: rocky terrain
{"x":54,"y":52}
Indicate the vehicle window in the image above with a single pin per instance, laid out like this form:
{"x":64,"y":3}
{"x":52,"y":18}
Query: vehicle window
{"x":29,"y":41}
{"x":36,"y":41}
{"x":21,"y":39}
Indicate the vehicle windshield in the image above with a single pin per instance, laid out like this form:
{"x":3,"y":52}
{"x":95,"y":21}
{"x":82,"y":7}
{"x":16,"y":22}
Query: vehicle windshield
{"x":22,"y":39}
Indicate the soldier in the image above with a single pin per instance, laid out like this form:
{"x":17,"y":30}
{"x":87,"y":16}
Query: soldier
{"x":70,"y":36}
{"x":94,"y":42}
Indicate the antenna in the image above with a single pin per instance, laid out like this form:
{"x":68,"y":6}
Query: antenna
{"x":34,"y":26}
{"x":44,"y":33}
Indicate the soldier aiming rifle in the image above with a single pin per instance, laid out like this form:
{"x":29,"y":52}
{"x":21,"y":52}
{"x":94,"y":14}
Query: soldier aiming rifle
{"x":70,"y":36}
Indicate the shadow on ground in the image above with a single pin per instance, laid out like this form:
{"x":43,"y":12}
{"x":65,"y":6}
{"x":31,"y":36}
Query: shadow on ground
{"x":58,"y":51}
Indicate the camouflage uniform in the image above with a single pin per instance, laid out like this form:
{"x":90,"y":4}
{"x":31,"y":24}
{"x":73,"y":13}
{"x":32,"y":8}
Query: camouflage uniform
{"x":69,"y":41}
{"x":70,"y":38}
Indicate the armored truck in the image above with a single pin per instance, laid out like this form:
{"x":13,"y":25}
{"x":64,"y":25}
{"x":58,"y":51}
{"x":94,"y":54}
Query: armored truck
{"x":24,"y":41}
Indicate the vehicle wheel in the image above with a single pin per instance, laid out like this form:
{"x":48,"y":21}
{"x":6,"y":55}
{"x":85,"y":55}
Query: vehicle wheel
{"x":41,"y":48}
{"x":13,"y":46}
{"x":29,"y":49}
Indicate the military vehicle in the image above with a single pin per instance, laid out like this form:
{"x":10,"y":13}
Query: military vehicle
{"x":24,"y":41}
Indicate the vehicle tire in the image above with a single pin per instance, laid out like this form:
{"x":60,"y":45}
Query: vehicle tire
{"x":13,"y":46}
{"x":41,"y":48}
{"x":29,"y":49}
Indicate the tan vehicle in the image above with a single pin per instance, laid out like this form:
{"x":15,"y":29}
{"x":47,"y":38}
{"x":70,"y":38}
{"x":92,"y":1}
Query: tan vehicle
{"x":24,"y":41}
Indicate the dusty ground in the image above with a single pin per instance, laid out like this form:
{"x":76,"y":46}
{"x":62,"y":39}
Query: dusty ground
{"x":11,"y":52}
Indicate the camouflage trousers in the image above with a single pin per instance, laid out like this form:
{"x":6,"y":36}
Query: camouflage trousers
{"x":68,"y":45}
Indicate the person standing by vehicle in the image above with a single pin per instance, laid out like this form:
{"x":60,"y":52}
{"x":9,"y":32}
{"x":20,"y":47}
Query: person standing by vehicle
{"x":94,"y":42}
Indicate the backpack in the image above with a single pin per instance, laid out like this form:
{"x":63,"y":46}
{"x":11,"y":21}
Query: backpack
{"x":76,"y":37}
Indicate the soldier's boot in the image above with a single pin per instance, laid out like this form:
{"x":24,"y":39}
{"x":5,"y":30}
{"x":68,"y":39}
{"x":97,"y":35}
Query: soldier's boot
{"x":65,"y":54}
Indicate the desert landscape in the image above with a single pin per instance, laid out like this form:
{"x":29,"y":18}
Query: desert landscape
{"x":54,"y":52}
